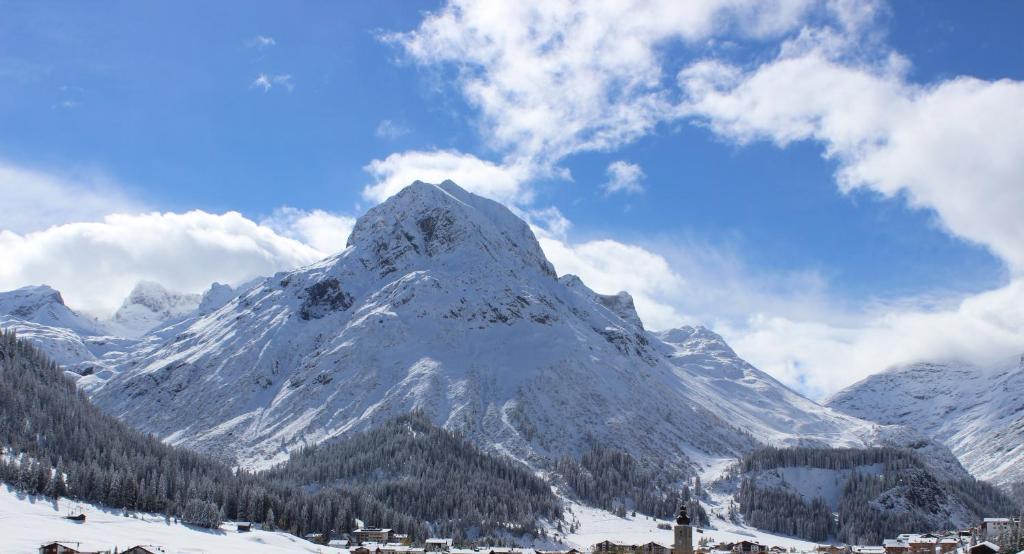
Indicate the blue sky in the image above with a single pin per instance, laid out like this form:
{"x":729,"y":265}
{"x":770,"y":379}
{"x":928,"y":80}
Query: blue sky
{"x":278,"y":113}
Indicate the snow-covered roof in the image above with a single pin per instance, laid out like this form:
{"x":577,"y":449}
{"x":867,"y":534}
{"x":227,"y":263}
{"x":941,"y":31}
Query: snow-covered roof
{"x":996,"y":520}
{"x":439,"y":541}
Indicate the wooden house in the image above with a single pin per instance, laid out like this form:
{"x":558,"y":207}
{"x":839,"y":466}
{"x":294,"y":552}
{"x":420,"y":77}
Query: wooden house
{"x":653,"y":548}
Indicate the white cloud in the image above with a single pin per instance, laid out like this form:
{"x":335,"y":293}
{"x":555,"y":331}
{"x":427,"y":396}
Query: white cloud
{"x":551,"y":78}
{"x":267,"y":82}
{"x":956,"y":147}
{"x":624,"y":177}
{"x":820,"y":356}
{"x":391,"y":130}
{"x":33,"y":200}
{"x":261,"y":42}
{"x":498,"y":181}
{"x":322,"y":230}
{"x":95,"y":264}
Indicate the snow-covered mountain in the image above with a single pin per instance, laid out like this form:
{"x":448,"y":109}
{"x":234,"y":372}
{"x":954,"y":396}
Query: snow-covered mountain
{"x":43,"y":305}
{"x":443,"y":301}
{"x":150,"y":305}
{"x":977,"y":412}
{"x":38,"y":313}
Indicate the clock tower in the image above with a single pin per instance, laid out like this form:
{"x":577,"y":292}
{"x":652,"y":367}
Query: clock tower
{"x":683,"y":533}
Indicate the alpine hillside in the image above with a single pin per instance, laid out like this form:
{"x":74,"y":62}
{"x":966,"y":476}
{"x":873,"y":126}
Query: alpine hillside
{"x":977,"y":412}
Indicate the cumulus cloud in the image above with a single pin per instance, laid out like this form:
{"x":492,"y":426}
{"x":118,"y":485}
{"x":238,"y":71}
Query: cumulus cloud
{"x":553,"y":79}
{"x":624,"y":177}
{"x":96,"y":264}
{"x":955,"y":147}
{"x":324,"y":231}
{"x":34,"y":200}
{"x":266,"y":82}
{"x":505,"y":183}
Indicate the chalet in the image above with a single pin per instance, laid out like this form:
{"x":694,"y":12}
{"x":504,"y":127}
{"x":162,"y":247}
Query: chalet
{"x":59,"y":548}
{"x":401,"y":538}
{"x":243,"y":526}
{"x":612,"y":547}
{"x":437,"y":545}
{"x":992,"y":527}
{"x":338,"y":543}
{"x":749,"y":547}
{"x":947,"y":545}
{"x":895,"y":546}
{"x":370,"y":548}
{"x":144,"y":549}
{"x":984,"y":548}
{"x":653,"y":548}
{"x":922,"y":544}
{"x":371,"y":534}
{"x":867,"y":549}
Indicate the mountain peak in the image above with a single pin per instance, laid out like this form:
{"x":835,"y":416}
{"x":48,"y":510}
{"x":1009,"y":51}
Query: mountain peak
{"x":44,"y":305}
{"x":149,"y":304}
{"x":697,"y":339}
{"x":448,"y":224}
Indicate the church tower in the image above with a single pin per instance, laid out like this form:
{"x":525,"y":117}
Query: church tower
{"x":684,"y":533}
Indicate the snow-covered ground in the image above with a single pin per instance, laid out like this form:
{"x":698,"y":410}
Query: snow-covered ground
{"x":27,"y":522}
{"x":596,"y":525}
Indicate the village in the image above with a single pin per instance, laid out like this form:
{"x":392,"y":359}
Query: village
{"x":981,"y":539}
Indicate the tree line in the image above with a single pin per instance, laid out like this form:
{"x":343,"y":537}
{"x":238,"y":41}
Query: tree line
{"x":55,"y":442}
{"x":904,"y":497}
{"x":433,"y":474}
{"x":615,"y":481}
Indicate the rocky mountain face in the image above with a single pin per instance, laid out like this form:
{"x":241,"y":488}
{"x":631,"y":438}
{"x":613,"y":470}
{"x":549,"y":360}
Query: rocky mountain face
{"x":977,"y":412}
{"x":444,"y":302}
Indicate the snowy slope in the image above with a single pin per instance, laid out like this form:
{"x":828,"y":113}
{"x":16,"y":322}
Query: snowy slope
{"x":977,"y":412}
{"x":149,"y":305}
{"x":444,"y":301}
{"x":26,"y":522}
{"x":596,"y":525}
